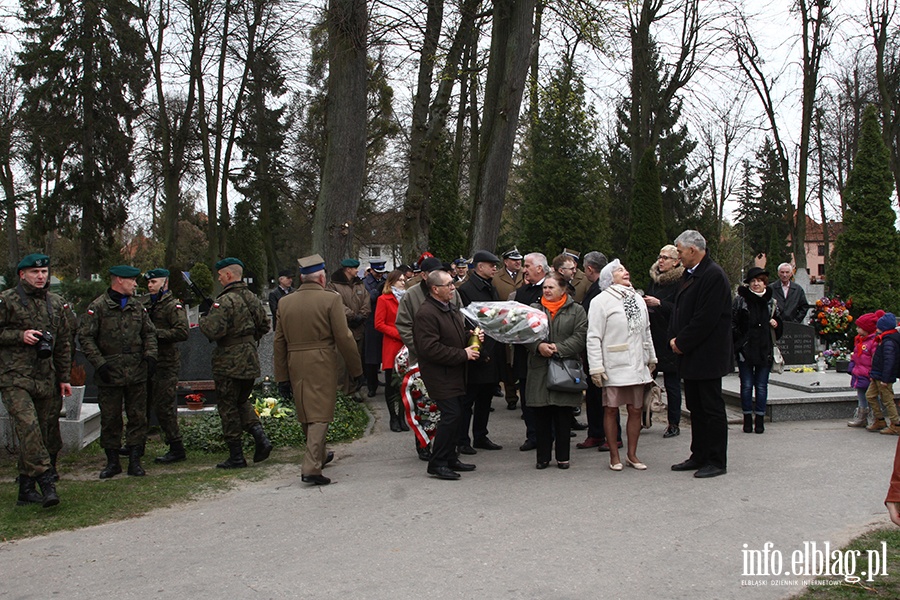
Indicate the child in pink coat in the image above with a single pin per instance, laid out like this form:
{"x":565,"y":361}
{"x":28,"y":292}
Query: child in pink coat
{"x":861,"y":363}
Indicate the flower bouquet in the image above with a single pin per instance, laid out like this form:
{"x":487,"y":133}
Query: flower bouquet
{"x":832,"y":319}
{"x":508,"y":322}
{"x":271,"y":407}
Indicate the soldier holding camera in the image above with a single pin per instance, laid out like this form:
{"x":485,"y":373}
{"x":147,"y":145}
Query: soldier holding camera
{"x":35,"y":356}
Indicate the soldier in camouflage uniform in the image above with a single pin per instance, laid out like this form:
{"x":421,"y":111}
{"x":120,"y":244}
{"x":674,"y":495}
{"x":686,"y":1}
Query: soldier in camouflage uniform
{"x":119,"y":340}
{"x":34,"y":369}
{"x":170,"y":319}
{"x":53,"y":439}
{"x":236,"y":322}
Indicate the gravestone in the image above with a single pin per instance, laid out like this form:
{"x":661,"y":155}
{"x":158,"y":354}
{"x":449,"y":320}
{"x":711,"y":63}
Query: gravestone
{"x":196,"y":357}
{"x":797,"y":344}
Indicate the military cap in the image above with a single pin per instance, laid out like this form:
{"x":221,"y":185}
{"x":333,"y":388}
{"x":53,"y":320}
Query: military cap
{"x":227,"y":262}
{"x":378,"y":266}
{"x":461,"y":261}
{"x":311,"y":264}
{"x":573,"y":253}
{"x":485,"y":256}
{"x":513,"y":254}
{"x":154,"y":273}
{"x":350,"y":262}
{"x":286,"y":273}
{"x":126,"y":271}
{"x":33,"y":260}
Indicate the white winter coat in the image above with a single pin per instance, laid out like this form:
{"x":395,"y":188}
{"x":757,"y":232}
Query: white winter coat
{"x":611,"y":349}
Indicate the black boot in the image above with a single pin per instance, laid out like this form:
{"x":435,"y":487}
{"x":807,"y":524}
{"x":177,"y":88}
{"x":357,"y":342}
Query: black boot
{"x":125,"y":451}
{"x":403,"y":425}
{"x":45,"y":480}
{"x":235,"y":459}
{"x":395,"y":422}
{"x":134,"y":461}
{"x":760,"y":423}
{"x":176,"y":453}
{"x":27,"y":493}
{"x":52,"y":469}
{"x":263,"y":445}
{"x":748,"y":423}
{"x":113,"y":467}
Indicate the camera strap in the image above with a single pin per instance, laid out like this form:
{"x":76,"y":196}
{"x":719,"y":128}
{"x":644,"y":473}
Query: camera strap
{"x":23,"y":297}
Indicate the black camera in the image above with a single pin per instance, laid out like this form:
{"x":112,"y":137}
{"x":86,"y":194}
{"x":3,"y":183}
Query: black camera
{"x":45,"y":345}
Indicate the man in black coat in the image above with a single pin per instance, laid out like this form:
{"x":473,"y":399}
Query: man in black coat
{"x":789,"y":295}
{"x":484,"y":374}
{"x":285,"y":287}
{"x":700,"y":335}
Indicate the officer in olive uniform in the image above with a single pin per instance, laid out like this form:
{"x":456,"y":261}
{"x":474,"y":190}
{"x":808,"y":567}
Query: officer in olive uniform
{"x":119,"y":340}
{"x":170,"y":319}
{"x":312,"y":332}
{"x":35,"y":356}
{"x":236,"y":322}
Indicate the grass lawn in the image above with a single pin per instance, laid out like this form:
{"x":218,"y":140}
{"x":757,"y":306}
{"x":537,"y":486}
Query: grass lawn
{"x":882,"y":587}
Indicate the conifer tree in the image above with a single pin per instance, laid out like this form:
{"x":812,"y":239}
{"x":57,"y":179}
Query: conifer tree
{"x":765,"y":208}
{"x":648,"y":233}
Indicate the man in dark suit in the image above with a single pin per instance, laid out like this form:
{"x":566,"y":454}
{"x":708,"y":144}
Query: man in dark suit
{"x":700,"y":334}
{"x":285,"y":287}
{"x":789,"y":295}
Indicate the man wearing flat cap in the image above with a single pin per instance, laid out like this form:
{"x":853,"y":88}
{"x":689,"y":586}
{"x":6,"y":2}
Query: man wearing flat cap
{"x":170,"y":320}
{"x":374,"y":283}
{"x":483,"y":375}
{"x":508,"y":279}
{"x":236,"y":322}
{"x":285,"y":287}
{"x":34,"y":371}
{"x":119,"y":340}
{"x":312,"y":331}
{"x":357,"y":307}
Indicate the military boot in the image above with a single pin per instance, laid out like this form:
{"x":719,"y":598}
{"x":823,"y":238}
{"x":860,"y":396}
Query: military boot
{"x":263,"y":445}
{"x":52,"y":469}
{"x":27,"y":493}
{"x":134,"y":461}
{"x":235,"y":459}
{"x":395,"y":420}
{"x":125,"y":451}
{"x":45,"y":480}
{"x":113,"y":467}
{"x":176,"y":453}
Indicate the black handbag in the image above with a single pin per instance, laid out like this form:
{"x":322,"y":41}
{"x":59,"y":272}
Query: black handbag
{"x":565,"y":374}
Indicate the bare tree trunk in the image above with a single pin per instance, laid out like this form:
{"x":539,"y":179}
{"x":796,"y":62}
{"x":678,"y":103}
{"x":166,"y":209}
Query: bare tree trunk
{"x":820,"y":191}
{"x":512,"y":40}
{"x":343,"y":173}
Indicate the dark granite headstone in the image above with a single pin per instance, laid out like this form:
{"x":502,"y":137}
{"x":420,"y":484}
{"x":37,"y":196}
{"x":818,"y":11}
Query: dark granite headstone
{"x":196,"y":357}
{"x":797,"y":344}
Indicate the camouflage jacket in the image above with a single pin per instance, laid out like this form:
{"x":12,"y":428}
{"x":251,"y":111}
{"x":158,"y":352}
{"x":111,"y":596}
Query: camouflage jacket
{"x":120,"y":337}
{"x":24,"y":307}
{"x":236,"y":322}
{"x":171,"y":322}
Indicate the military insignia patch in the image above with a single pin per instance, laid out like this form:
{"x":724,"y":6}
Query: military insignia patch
{"x":178,"y":306}
{"x":90,"y":312}
{"x":215,"y":305}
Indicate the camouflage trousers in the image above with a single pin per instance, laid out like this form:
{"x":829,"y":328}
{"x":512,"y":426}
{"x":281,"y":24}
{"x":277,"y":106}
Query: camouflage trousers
{"x":28,"y":407}
{"x":235,"y":409}
{"x":53,"y":439}
{"x":162,"y":401}
{"x":111,"y":400}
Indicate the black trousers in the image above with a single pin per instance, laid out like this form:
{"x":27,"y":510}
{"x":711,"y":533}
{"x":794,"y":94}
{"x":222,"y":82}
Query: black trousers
{"x":709,"y":424}
{"x":552,"y":422}
{"x":476,"y":410}
{"x":443,"y":446}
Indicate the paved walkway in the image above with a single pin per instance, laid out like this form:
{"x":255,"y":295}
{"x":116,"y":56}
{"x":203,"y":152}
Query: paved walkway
{"x":386,"y":531}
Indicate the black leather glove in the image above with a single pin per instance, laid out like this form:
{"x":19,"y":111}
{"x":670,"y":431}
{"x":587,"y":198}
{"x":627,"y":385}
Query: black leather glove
{"x":355,"y":322}
{"x":285,"y":389}
{"x":151,"y":365}
{"x":103,"y":373}
{"x":360,"y":382}
{"x":205,"y":306}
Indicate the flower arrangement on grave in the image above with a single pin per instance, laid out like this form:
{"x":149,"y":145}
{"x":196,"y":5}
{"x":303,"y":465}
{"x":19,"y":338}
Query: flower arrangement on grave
{"x":832,"y":319}
{"x":269,"y":406}
{"x":194,"y":401}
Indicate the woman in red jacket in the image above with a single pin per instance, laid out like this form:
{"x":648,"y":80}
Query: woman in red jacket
{"x":385,"y":317}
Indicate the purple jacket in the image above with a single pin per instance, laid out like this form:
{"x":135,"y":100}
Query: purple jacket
{"x":861,"y":361}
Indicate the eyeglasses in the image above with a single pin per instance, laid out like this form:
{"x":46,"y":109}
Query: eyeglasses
{"x":451,"y":284}
{"x":664,"y":257}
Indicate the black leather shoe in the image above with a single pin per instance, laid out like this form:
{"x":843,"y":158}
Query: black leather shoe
{"x":424,"y":454}
{"x":315,"y":479}
{"x":542,"y":465}
{"x":487,"y":444}
{"x":710,"y":471}
{"x":371,"y":394}
{"x":672,"y":431}
{"x":467,"y":450}
{"x":528,"y":445}
{"x":461,"y":466}
{"x":688,"y":465}
{"x":328,"y":458}
{"x":443,"y":473}
{"x":578,"y":425}
{"x":511,"y":403}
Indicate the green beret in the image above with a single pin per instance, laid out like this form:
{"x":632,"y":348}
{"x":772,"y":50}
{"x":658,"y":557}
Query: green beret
{"x":350,"y":262}
{"x":125,"y":271}
{"x":227,"y":262}
{"x":34,"y":260}
{"x":154,"y":273}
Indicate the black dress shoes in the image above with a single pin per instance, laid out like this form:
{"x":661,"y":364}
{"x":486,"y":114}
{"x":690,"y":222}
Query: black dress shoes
{"x":487,"y":444}
{"x":688,"y":465}
{"x":328,"y":458}
{"x":460,"y":466}
{"x":443,"y":473}
{"x":528,"y":445}
{"x":578,"y":425}
{"x":424,"y":453}
{"x":710,"y":471}
{"x":467,"y":450}
{"x":315,"y":479}
{"x":542,"y":465}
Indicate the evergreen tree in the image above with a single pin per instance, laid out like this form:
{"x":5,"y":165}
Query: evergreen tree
{"x":562,"y":198}
{"x":648,"y":233}
{"x":765,"y":209}
{"x":246,"y":243}
{"x":447,"y":208}
{"x":865,"y":263}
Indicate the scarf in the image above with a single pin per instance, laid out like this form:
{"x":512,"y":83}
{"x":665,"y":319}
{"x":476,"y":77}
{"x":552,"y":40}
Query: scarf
{"x":398,"y":292}
{"x":631,"y":306}
{"x":553,"y":307}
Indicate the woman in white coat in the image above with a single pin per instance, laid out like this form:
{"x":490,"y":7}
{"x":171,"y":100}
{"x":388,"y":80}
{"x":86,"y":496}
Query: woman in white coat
{"x":620,"y":356}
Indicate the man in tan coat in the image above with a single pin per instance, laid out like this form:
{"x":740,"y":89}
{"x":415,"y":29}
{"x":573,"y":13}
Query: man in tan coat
{"x":311,"y":329}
